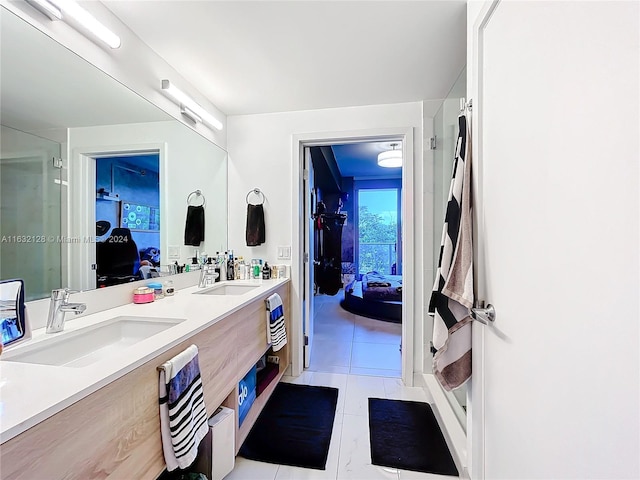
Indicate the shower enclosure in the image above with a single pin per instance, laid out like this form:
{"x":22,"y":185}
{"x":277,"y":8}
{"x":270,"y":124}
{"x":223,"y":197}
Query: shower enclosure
{"x":446,"y":131}
{"x":30,"y":205}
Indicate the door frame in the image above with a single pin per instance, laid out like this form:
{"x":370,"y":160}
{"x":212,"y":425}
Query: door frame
{"x":299,"y":223}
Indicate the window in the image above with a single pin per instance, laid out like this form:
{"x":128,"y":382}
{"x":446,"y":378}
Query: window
{"x":379,"y":227}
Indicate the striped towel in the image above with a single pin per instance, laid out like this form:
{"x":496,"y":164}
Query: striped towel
{"x":276,"y":331}
{"x":183,"y":416}
{"x":452,"y":294}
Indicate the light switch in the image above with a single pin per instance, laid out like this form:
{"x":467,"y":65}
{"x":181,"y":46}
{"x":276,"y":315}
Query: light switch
{"x":174,"y":252}
{"x":284,"y":252}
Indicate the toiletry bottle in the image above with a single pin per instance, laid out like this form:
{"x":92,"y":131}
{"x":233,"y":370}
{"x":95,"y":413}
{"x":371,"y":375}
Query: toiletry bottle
{"x":222,"y":263}
{"x":230,"y":271}
{"x":266,"y":271}
{"x":240,"y":269}
{"x":236,"y":270}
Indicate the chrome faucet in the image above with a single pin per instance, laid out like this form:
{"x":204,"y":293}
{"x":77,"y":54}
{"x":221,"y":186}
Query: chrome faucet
{"x":58,"y":306}
{"x":208,"y":275}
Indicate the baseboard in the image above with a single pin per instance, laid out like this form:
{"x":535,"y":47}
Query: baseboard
{"x":449,"y":424}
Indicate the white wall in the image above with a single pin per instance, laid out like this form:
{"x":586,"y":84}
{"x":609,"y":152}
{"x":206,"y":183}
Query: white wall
{"x":134,"y":64}
{"x":557,"y":122}
{"x":260,"y":155}
{"x":192,"y":162}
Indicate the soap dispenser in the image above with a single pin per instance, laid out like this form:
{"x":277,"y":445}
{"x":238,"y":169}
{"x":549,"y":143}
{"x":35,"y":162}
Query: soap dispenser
{"x":266,"y":271}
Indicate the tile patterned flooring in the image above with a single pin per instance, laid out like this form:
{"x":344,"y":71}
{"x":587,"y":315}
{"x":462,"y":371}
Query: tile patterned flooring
{"x":361,"y":358}
{"x":347,"y":343}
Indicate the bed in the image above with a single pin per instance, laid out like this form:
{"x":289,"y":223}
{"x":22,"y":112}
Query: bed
{"x":375,"y":295}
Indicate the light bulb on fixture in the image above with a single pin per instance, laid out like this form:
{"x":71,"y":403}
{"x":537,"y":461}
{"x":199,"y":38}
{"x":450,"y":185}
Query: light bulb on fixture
{"x":63,"y":9}
{"x":390,"y":158}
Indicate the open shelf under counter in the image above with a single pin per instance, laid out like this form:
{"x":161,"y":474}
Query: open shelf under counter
{"x":257,"y":407}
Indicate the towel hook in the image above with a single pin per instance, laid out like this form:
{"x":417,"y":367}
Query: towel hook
{"x":256,"y":191}
{"x":197,"y":193}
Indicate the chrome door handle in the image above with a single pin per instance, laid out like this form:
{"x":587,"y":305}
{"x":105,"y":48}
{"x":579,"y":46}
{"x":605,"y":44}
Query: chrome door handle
{"x":484,"y":315}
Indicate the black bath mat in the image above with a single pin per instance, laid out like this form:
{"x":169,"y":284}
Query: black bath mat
{"x":406,"y":435}
{"x":294,"y":427}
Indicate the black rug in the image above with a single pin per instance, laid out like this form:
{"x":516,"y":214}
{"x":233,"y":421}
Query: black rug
{"x":406,"y":435}
{"x":294,"y":427}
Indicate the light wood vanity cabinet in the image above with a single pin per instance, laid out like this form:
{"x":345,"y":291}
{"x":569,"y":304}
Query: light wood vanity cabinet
{"x":115,"y":432}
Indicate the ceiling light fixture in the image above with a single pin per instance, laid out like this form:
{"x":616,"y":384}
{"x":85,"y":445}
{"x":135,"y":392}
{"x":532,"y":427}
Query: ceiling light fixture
{"x":189,"y":107}
{"x":391,"y":158}
{"x":59,"y":9}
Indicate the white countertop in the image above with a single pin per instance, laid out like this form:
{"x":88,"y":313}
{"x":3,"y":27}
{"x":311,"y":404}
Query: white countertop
{"x":30,"y":393}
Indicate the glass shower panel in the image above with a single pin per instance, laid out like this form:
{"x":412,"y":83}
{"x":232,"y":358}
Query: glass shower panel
{"x":30,"y":212}
{"x":446,"y":132}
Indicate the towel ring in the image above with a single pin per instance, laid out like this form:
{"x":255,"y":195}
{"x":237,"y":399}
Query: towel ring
{"x":256,"y":191}
{"x":197,"y":193}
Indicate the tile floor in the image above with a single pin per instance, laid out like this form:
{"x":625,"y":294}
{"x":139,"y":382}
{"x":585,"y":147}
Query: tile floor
{"x":347,"y":343}
{"x":361,"y":358}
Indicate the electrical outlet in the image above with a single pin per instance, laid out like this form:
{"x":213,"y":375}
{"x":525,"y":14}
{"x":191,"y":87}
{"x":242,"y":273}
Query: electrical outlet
{"x":273,"y":359}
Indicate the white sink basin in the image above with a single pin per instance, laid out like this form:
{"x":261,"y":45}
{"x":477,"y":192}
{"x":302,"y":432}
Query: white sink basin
{"x":91,"y":344}
{"x":227,"y":289}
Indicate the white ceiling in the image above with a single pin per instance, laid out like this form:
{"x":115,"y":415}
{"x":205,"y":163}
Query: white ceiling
{"x":273,"y":56}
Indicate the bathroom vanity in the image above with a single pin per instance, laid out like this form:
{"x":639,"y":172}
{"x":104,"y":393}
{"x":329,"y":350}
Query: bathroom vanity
{"x":98,"y":418}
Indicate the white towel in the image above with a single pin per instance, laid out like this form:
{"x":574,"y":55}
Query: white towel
{"x":276,"y":330}
{"x":452,"y":294}
{"x":183,"y":415}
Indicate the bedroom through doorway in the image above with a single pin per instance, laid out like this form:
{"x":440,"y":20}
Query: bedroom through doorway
{"x":355,"y":207}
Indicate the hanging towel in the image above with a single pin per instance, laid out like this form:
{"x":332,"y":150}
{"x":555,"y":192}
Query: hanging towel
{"x":183,"y":415}
{"x":194,"y":227}
{"x":452,"y":295}
{"x":255,"y":225}
{"x":276,"y":330}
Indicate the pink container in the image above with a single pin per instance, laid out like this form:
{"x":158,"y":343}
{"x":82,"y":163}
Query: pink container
{"x":143,"y":295}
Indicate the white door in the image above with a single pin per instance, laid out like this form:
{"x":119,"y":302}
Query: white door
{"x":556,"y":129}
{"x":309,"y":248}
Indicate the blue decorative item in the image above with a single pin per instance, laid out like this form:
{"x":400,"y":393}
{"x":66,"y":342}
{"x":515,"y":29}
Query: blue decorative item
{"x":246,"y":394}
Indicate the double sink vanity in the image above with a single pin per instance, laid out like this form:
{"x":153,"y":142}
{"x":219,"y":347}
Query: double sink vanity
{"x":83,"y":403}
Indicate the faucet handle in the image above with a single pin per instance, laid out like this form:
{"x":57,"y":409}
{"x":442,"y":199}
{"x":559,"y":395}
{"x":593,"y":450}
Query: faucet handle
{"x":62,"y":294}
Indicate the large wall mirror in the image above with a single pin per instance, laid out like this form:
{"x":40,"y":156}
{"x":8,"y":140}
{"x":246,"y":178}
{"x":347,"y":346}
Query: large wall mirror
{"x":95,"y":181}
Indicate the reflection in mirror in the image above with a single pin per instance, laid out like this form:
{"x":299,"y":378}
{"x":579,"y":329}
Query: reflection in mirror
{"x":30,"y":207}
{"x":12,"y":319}
{"x":83,"y":159}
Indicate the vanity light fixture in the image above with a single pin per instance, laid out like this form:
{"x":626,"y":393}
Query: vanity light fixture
{"x":189,"y":107}
{"x":187,"y":112}
{"x":46,"y":8}
{"x":60,"y":9}
{"x":391,"y":158}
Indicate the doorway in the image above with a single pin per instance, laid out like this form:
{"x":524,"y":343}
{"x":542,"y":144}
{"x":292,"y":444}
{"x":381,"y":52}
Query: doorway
{"x":350,"y":199}
{"x":127,"y":212}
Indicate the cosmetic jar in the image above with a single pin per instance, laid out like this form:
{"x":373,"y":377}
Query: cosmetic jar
{"x":168,"y":288}
{"x":143,"y":295}
{"x":158,"y":293}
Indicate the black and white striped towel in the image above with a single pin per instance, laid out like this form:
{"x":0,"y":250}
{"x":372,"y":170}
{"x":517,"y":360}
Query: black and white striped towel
{"x":452,"y":295}
{"x":183,"y":416}
{"x":276,"y":331}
